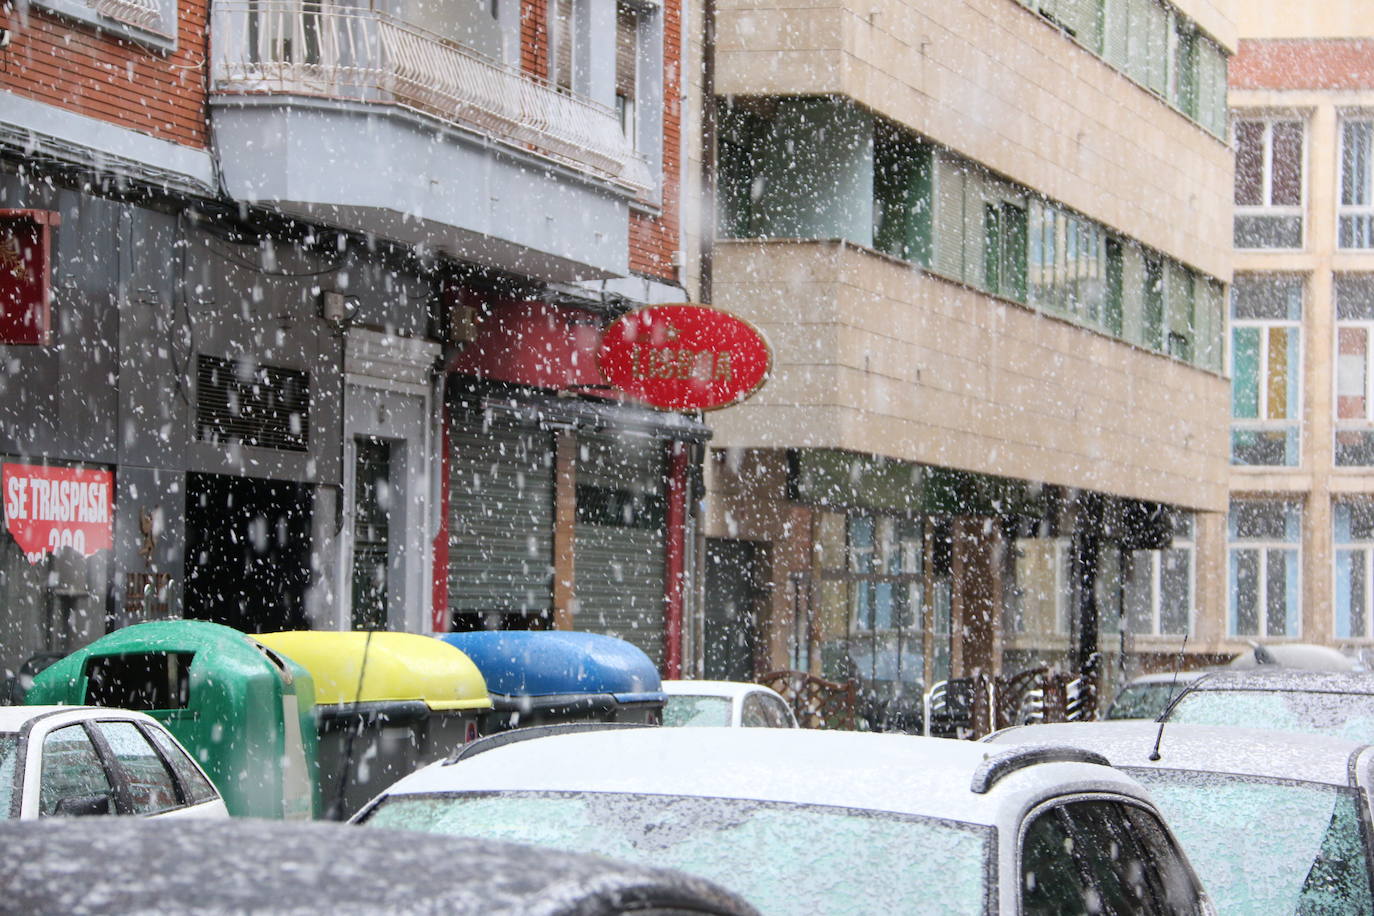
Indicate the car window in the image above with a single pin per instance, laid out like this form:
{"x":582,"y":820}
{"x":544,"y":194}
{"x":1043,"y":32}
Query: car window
{"x":71,"y":768}
{"x":151,"y":789}
{"x":9,"y":751}
{"x":1304,"y":851}
{"x":1142,"y":701}
{"x":753,"y":714}
{"x":193,"y":782}
{"x":696,"y":710}
{"x":1104,"y":857}
{"x":782,"y":858}
{"x":779,"y":715}
{"x":1343,"y":715}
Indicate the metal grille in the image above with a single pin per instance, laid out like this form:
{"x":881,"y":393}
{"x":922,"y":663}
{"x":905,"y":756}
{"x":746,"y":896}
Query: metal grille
{"x":262,"y":406}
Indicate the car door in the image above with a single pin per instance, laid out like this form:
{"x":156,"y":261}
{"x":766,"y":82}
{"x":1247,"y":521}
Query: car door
{"x":65,"y":775}
{"x":1105,"y":855}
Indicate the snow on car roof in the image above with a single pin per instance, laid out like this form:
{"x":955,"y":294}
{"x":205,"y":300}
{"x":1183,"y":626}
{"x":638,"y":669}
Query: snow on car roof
{"x":12,"y":718}
{"x":1211,"y":748}
{"x":884,"y":772}
{"x":1290,"y":679}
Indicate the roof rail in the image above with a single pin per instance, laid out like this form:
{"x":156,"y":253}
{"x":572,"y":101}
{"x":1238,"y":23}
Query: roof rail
{"x":515,"y":735}
{"x":1009,"y":761}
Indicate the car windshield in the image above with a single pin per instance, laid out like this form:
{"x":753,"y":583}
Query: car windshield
{"x":1343,"y":715}
{"x":1267,"y":846}
{"x":1141,"y":701}
{"x":696,"y":710}
{"x":783,"y":858}
{"x":9,"y":748}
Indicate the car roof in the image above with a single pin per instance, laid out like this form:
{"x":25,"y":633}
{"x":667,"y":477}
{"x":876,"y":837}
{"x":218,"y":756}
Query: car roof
{"x":14,"y":718}
{"x":727,"y":689}
{"x":121,"y":865}
{"x":1212,"y":748}
{"x":1165,"y":677}
{"x":1286,"y":679}
{"x":883,"y":772}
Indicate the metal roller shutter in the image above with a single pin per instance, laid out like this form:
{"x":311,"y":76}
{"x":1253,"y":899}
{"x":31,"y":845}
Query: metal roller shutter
{"x":619,"y":539}
{"x":501,"y":515}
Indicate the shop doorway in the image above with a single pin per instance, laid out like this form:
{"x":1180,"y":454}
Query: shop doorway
{"x":247,"y":551}
{"x":733,"y":595}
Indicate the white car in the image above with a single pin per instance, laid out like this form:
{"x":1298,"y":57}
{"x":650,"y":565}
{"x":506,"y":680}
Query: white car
{"x":1273,"y":822}
{"x":726,"y":703}
{"x":819,"y":822}
{"x":83,"y":760}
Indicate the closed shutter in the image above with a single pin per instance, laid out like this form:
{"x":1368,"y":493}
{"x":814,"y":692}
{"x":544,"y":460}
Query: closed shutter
{"x":1080,"y":17}
{"x":501,"y":515}
{"x":1209,"y":339}
{"x":1115,"y":26}
{"x":1132,"y":293}
{"x":949,"y":218}
{"x":619,"y":549}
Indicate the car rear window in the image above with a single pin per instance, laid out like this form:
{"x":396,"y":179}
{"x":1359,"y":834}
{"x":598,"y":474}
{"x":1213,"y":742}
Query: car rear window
{"x":783,"y":858}
{"x":1342,"y":715}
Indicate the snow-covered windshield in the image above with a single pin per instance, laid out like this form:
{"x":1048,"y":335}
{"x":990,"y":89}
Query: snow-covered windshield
{"x":783,"y":858}
{"x":696,"y":710}
{"x":1267,"y":846}
{"x":9,"y":745}
{"x":1344,"y":715}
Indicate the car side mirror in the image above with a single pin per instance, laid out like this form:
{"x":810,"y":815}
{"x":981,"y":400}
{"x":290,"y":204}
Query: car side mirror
{"x":83,"y":805}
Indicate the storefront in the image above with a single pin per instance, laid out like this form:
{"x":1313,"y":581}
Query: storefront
{"x":565,"y":508}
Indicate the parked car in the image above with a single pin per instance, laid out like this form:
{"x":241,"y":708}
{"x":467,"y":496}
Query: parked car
{"x":1275,"y":823}
{"x":1314,"y":702}
{"x":1147,"y":696}
{"x":817,"y":822}
{"x":83,"y":760}
{"x":281,"y":867}
{"x":1294,"y":655}
{"x":725,"y":703}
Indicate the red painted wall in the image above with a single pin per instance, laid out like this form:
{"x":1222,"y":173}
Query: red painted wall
{"x":82,"y":69}
{"x":533,"y":343}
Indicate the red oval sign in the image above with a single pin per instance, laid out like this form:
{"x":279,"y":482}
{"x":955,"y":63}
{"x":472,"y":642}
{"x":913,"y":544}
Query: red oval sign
{"x":684,"y":357}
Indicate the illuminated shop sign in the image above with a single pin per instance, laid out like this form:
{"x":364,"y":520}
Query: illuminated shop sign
{"x":684,"y":357}
{"x":48,"y":509}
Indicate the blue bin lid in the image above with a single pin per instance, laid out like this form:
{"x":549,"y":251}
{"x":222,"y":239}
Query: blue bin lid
{"x":536,"y":663}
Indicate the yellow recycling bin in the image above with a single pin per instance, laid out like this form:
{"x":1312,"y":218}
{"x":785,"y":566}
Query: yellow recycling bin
{"x":385,"y":704}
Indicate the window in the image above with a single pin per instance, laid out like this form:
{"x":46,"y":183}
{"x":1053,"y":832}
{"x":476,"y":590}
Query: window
{"x":884,"y":582}
{"x":626,"y":68}
{"x":1158,"y":585}
{"x":1269,"y":183}
{"x":1266,"y":369}
{"x":151,"y":789}
{"x":1352,"y":524}
{"x":72,"y":770}
{"x":1103,"y":856}
{"x":1263,"y":549}
{"x":1004,"y":249}
{"x":1355,"y":225}
{"x":1068,"y":263}
{"x":1354,"y":445}
{"x":194,"y":785}
{"x":901,"y":194}
{"x":562,"y":29}
{"x":1152,"y":313}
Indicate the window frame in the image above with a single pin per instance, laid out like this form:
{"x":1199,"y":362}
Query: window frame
{"x":1267,"y":208}
{"x":1185,"y":542}
{"x":1363,"y":211}
{"x":1364,"y":548}
{"x":1364,"y":423}
{"x":1292,"y":546}
{"x":1294,"y":379}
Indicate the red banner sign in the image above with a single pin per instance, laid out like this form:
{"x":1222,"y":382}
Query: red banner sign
{"x":47,"y":509}
{"x":684,"y":357}
{"x":25,"y":275}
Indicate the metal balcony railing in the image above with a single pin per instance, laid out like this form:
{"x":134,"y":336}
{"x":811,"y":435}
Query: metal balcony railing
{"x":319,"y":49}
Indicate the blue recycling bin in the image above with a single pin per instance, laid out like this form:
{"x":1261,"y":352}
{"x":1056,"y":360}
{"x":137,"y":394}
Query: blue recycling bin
{"x":543,"y":677}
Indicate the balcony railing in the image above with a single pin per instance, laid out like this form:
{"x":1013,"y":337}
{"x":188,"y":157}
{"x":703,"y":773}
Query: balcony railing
{"x":317,"y":49}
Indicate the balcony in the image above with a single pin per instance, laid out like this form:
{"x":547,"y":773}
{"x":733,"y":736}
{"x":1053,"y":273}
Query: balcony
{"x":355,"y":117}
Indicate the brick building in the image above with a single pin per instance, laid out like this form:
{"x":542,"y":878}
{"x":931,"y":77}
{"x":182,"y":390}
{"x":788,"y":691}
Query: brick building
{"x":299,"y":265}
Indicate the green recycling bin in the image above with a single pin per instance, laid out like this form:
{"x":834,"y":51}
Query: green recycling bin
{"x":245,"y":711}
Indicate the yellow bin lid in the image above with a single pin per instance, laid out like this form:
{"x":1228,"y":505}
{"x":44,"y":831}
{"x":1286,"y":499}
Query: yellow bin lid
{"x":400,"y":666}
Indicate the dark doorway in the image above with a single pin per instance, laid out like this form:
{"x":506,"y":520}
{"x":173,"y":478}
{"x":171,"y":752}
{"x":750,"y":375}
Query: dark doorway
{"x":733,"y":594}
{"x":247,"y":551}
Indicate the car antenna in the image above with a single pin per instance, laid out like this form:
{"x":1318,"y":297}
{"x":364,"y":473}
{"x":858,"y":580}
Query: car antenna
{"x":1173,"y":686}
{"x":336,"y":810}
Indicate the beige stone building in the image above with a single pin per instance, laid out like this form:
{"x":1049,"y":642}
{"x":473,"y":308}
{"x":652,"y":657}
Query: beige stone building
{"x":1301,"y":531}
{"x":989,"y":241}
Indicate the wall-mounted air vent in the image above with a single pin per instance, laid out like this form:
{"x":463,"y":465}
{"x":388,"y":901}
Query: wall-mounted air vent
{"x":263,"y":406}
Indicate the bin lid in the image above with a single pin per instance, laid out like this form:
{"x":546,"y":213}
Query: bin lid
{"x":400,"y":666}
{"x":215,"y":647}
{"x":560,"y":662}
